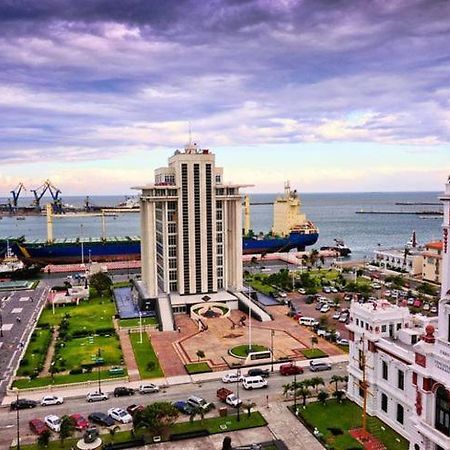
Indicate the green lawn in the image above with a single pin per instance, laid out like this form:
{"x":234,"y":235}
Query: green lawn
{"x":244,"y":350}
{"x":84,"y":350}
{"x":121,"y":284}
{"x":34,"y":357}
{"x":261,"y":287}
{"x":346,"y":416}
{"x":89,"y":316}
{"x":65,"y":379}
{"x":312,"y":353}
{"x":136,"y":323}
{"x":146,"y":358}
{"x":200,"y":367}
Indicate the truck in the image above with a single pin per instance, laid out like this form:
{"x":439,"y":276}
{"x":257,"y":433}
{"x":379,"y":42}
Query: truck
{"x":227,"y":396}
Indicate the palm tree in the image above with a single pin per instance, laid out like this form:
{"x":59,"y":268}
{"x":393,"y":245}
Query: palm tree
{"x":336,"y":379}
{"x":197,"y":411}
{"x":314,"y":341}
{"x":286,"y":389}
{"x":248,"y":407}
{"x":316,"y":382}
{"x":323,"y":396}
{"x":303,"y":392}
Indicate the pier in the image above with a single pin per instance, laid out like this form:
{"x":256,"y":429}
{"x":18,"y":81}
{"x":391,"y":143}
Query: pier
{"x":416,"y":213}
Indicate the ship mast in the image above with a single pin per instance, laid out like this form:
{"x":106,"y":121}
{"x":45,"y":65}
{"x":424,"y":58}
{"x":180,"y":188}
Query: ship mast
{"x":246,"y":215}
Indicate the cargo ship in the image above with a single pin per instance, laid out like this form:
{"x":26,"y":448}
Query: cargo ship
{"x":290,"y":230}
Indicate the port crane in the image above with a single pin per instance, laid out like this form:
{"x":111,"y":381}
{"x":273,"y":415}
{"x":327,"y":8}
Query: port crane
{"x":54,"y":192}
{"x":16,"y":193}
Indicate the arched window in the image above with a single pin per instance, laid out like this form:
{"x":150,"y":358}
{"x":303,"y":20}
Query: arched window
{"x":442,"y":420}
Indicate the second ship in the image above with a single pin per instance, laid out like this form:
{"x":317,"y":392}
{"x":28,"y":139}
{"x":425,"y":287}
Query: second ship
{"x":291,"y":230}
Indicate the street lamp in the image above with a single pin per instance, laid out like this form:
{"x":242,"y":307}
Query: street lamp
{"x":52,"y":372}
{"x":140,"y":327}
{"x":17,"y":418}
{"x":99,"y":356}
{"x":238,"y":381}
{"x":272,"y":334}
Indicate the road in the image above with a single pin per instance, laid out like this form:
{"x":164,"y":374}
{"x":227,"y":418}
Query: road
{"x":207,"y":390}
{"x":19,"y":313}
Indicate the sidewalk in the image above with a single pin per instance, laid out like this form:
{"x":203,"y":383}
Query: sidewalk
{"x":108,"y":386}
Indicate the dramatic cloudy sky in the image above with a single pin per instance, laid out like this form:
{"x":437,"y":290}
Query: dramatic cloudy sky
{"x":347,"y":95}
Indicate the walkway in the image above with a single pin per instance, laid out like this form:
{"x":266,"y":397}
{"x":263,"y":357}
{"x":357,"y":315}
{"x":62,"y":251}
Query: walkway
{"x":50,"y":353}
{"x":128,"y":356}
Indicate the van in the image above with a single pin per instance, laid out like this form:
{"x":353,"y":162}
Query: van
{"x":308,"y":321}
{"x":318,"y":366}
{"x":254,"y":382}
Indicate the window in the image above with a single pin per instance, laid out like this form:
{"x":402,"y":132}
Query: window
{"x":400,"y":413}
{"x":383,"y":328}
{"x":384,"y":403}
{"x":442,"y":420}
{"x":357,"y":322}
{"x":401,"y":380}
{"x":399,"y":326}
{"x":384,"y":370}
{"x":448,"y":328}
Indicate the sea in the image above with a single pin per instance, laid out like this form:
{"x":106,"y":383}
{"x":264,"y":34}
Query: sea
{"x":335,"y":214}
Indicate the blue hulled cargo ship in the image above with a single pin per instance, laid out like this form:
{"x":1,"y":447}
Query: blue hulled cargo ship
{"x":291,"y":230}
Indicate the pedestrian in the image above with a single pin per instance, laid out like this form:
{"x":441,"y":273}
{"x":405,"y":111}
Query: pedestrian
{"x":18,"y":319}
{"x":179,"y":330}
{"x":31,"y":299}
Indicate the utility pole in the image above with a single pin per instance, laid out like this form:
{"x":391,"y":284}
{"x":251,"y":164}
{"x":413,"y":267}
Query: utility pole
{"x":272,"y":334}
{"x":238,"y":382}
{"x":99,"y":355}
{"x":140,"y":327}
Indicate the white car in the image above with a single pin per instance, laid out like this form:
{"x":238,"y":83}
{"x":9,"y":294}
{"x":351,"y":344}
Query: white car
{"x":232,"y":378}
{"x":376,"y":286}
{"x":342,"y":342}
{"x":302,"y":291}
{"x":96,"y":396}
{"x":434,"y":309}
{"x":426,"y":307}
{"x":326,"y":289}
{"x":282,"y":294}
{"x":336,"y":315}
{"x":148,"y":388}
{"x":343,"y":318}
{"x":120,"y":415}
{"x":325,"y":308}
{"x":53,"y":422}
{"x":49,"y":400}
{"x":334,"y":290}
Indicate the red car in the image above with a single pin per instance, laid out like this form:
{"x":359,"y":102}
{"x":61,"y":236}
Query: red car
{"x":37,"y":426}
{"x":290,"y":369}
{"x":80,"y":422}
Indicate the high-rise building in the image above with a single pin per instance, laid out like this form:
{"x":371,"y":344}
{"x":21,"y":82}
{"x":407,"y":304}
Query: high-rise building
{"x":405,"y":360}
{"x":191,"y":228}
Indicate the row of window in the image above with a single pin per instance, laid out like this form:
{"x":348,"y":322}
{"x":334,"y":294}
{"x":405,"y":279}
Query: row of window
{"x":400,"y":413}
{"x":400,"y":375}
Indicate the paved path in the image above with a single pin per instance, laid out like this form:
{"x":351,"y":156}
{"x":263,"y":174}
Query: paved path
{"x":290,"y":430}
{"x":128,"y":356}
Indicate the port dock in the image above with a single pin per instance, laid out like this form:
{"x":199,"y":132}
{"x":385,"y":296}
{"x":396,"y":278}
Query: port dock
{"x":415,"y":213}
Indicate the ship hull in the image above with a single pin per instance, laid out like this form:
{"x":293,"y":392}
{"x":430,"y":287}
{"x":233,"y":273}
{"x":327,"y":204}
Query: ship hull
{"x":122,"y":250}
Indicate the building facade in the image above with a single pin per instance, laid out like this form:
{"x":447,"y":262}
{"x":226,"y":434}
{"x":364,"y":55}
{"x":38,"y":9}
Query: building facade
{"x":405,"y":360}
{"x":432,"y":262}
{"x":400,"y":260}
{"x":191,"y":228}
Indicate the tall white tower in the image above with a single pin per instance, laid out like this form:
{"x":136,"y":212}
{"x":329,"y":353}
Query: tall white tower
{"x":444,"y":303}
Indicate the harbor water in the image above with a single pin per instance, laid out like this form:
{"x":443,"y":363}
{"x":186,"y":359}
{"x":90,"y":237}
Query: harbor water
{"x":334,"y":214}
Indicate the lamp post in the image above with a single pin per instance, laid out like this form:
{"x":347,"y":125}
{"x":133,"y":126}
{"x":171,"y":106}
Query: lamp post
{"x":52,"y":372}
{"x":99,"y":355}
{"x":249,"y":321}
{"x":140,"y":327}
{"x":238,"y":382}
{"x":17,"y":418}
{"x":1,"y":324}
{"x":272,"y":334}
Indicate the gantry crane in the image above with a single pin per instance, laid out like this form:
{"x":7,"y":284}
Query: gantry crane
{"x":54,"y":192}
{"x":16,"y":193}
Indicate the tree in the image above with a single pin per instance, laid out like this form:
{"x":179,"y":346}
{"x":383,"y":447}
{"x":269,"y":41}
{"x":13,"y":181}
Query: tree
{"x":315,"y":382}
{"x":248,"y":407}
{"x":156,"y":418}
{"x":197,"y":411}
{"x":67,"y":428}
{"x":44,"y":438}
{"x":303,"y":392}
{"x":200,"y":354}
{"x":323,"y":396}
{"x":336,"y":379}
{"x":101,"y":282}
{"x":314,"y":341}
{"x":339,"y":395}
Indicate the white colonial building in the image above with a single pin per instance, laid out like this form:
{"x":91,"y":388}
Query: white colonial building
{"x":406,"y":360}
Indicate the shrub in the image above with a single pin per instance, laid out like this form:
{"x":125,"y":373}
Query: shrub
{"x":76,"y":371}
{"x":23,"y":362}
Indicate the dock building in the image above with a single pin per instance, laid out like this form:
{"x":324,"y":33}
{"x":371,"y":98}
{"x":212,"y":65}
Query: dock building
{"x":405,"y":361}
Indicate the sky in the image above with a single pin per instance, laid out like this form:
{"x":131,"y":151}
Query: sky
{"x":333,"y":95}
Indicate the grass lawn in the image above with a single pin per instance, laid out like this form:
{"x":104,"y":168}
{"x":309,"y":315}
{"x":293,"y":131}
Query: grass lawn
{"x":121,"y":284}
{"x":89,"y":315}
{"x":346,"y":416}
{"x":146,"y":358}
{"x":36,"y":352}
{"x":83,"y":351}
{"x":312,"y":353}
{"x":213,"y":425}
{"x":200,"y":367}
{"x":261,"y":287}
{"x":136,"y":323}
{"x":244,"y":350}
{"x":65,"y":379}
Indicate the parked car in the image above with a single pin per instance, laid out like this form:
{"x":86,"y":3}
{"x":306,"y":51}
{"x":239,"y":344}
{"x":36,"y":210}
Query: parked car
{"x":80,"y":422}
{"x":148,"y":388}
{"x":133,"y":409}
{"x":96,"y":396}
{"x":410,"y":301}
{"x":336,"y":315}
{"x":101,"y":419}
{"x":417,"y":303}
{"x":302,"y":291}
{"x":434,"y":309}
{"x":23,"y":403}
{"x":375,"y":285}
{"x":317,"y":366}
{"x":282,"y":294}
{"x":37,"y":426}
{"x":290,"y":369}
{"x":326,"y":290}
{"x":343,"y":317}
{"x":119,"y":415}
{"x":49,"y":400}
{"x":348,"y":297}
{"x":123,"y":391}
{"x":426,"y":307}
{"x":342,"y":342}
{"x":53,"y":422}
{"x":334,"y":290}
{"x":325,"y":308}
{"x":232,"y":378}
{"x":308,"y":321}
{"x":254,"y":382}
{"x":198,"y":402}
{"x":265,"y":373}
{"x":183,"y":407}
